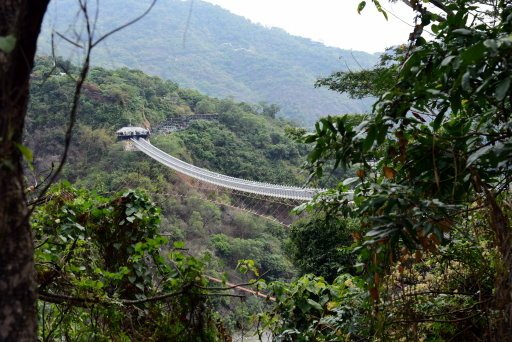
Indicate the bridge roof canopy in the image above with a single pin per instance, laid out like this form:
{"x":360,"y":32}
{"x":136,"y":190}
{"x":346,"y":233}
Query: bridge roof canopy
{"x":129,"y":130}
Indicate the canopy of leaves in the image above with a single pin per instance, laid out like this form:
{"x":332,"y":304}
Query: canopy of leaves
{"x":318,"y":245}
{"x":437,"y":152}
{"x":103,"y":275}
{"x":444,"y":127}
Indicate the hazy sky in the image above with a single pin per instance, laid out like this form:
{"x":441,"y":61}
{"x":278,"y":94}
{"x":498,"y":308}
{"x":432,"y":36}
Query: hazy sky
{"x":333,"y":22}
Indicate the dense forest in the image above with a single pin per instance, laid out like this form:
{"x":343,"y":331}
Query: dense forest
{"x":217,"y":53}
{"x":243,"y":143}
{"x":411,"y":240}
{"x":246,"y":141}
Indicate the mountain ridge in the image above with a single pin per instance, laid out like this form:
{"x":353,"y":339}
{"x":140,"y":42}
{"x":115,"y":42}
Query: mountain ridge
{"x":219,"y":53}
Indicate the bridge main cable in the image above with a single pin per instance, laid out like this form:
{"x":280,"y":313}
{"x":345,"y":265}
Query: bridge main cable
{"x":265,"y":189}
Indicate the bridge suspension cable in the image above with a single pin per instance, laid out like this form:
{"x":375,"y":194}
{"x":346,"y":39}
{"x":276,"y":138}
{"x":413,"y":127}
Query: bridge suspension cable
{"x":243,"y":185}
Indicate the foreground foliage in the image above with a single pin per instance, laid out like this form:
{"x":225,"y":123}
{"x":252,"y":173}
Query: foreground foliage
{"x":104,"y":273}
{"x":432,"y":189}
{"x":436,"y":297}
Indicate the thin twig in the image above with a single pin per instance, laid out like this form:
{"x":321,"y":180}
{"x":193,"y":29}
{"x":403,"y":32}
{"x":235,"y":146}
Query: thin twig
{"x":425,"y":320}
{"x":61,"y":298}
{"x":68,"y":40}
{"x":131,"y":22}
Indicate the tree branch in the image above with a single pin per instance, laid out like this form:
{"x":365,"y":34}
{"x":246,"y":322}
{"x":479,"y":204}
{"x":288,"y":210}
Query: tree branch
{"x":131,"y":22}
{"x":61,"y":298}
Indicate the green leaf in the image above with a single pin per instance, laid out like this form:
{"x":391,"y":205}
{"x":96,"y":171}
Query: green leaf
{"x":314,"y":155}
{"x":378,"y":6}
{"x":463,"y":32}
{"x":26,"y":152}
{"x":370,"y":138}
{"x":315,"y":305}
{"x":350,"y":180}
{"x":438,"y":120}
{"x":7,"y":43}
{"x":465,"y":81}
{"x":491,"y":44}
{"x":179,"y":244}
{"x":475,"y":156}
{"x":502,"y":89}
{"x":447,"y":60}
{"x":361,"y":6}
{"x":473,"y":54}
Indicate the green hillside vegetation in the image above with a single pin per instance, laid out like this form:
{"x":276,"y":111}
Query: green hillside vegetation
{"x":102,"y":266}
{"x":218,"y":53}
{"x":412,"y":240}
{"x":243,"y":143}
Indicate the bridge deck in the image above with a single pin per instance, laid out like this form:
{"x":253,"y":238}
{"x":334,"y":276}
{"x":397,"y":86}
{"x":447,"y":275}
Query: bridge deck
{"x":265,"y":189}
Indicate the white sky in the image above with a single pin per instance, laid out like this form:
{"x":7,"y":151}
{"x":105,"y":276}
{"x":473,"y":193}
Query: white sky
{"x":332,"y":22}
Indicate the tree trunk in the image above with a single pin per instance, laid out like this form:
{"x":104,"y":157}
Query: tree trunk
{"x":499,"y":223}
{"x":503,"y":284}
{"x":22,"y":20}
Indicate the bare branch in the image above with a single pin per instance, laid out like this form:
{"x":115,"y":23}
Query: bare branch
{"x":131,"y":22}
{"x":79,"y":83}
{"x":428,"y":320}
{"x":61,"y":298}
{"x":67,"y":40}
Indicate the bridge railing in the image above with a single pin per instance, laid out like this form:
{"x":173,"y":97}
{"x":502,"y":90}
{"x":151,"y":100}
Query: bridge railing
{"x":244,"y":185}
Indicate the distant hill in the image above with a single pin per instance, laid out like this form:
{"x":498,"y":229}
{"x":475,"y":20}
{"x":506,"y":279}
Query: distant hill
{"x":218,"y":53}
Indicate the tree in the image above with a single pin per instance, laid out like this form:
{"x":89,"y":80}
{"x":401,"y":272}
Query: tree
{"x":444,"y":127}
{"x":365,"y":83}
{"x":105,"y":273}
{"x":205,"y":107}
{"x":269,"y":110}
{"x":19,"y":29}
{"x":318,"y":245}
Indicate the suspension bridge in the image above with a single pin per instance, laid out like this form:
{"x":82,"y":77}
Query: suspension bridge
{"x":256,"y":192}
{"x":237,"y":184}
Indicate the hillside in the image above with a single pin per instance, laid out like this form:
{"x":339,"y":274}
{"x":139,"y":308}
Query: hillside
{"x":244,"y":142}
{"x":218,"y":53}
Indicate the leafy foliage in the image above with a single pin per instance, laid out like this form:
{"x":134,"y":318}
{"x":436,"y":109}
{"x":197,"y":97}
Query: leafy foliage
{"x":320,"y":244}
{"x":434,"y":156}
{"x":103,"y":273}
{"x":264,"y":252}
{"x":311,"y":309}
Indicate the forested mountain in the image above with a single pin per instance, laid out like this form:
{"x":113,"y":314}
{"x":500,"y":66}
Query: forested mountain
{"x":414,"y":246}
{"x":245,"y":142}
{"x":207,"y":48}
